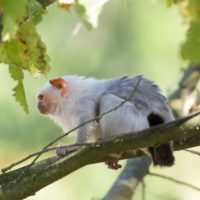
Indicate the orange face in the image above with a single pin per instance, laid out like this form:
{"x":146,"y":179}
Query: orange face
{"x":50,"y":97}
{"x":44,"y":103}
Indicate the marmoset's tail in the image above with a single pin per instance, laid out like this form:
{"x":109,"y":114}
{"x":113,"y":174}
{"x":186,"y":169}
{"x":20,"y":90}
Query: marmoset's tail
{"x":163,"y":154}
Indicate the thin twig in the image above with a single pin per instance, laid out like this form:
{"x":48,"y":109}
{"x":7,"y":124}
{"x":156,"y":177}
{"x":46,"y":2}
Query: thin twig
{"x":93,"y":144}
{"x":3,"y":170}
{"x":193,"y":152}
{"x":54,"y":168}
{"x":174,"y":180}
{"x":84,"y":144}
{"x":47,"y":147}
{"x":143,"y":190}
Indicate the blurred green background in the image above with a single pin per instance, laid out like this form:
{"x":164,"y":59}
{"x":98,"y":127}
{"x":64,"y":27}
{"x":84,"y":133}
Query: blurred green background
{"x":133,"y":37}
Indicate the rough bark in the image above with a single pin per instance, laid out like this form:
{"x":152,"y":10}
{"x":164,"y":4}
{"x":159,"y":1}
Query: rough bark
{"x":22,"y":183}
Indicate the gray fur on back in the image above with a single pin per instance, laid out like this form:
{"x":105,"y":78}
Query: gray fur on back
{"x":147,"y":98}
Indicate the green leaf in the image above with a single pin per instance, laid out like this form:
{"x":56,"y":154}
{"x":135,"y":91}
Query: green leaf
{"x":16,"y":73}
{"x":27,"y":51}
{"x":34,"y":11}
{"x":15,"y":51}
{"x":190,"y":49}
{"x":19,"y":94}
{"x":3,"y":55}
{"x":21,"y":46}
{"x":14,"y":9}
{"x":194,"y":9}
{"x":35,"y":53}
{"x":13,"y":12}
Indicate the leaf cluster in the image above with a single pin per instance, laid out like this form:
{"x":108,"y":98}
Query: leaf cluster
{"x":190,"y":11}
{"x":22,"y":49}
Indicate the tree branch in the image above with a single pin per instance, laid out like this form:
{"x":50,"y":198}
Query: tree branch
{"x":188,"y":82}
{"x":3,"y":170}
{"x":182,"y":100}
{"x":186,"y":85}
{"x":193,"y":152}
{"x":143,"y":190}
{"x":47,"y":171}
{"x":129,"y":178}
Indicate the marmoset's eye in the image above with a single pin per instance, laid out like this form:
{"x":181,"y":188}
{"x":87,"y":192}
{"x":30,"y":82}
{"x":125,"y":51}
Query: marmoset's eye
{"x":40,"y":97}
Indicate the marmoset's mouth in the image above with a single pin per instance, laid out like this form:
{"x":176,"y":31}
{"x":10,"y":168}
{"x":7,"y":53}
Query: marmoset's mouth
{"x":42,"y":108}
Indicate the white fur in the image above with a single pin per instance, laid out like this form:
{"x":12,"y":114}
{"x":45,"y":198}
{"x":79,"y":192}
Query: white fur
{"x":124,"y":119}
{"x":84,"y":95}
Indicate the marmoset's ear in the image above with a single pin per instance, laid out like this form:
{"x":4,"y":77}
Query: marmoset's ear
{"x":59,"y":83}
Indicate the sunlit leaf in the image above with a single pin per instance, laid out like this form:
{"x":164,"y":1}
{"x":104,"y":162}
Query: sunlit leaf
{"x":19,"y":93}
{"x":21,"y":47}
{"x":34,"y":11}
{"x":14,"y":49}
{"x":13,"y":13}
{"x":35,"y":49}
{"x":16,"y":73}
{"x":191,"y":47}
{"x":194,"y":9}
{"x":89,"y":11}
{"x":27,"y":51}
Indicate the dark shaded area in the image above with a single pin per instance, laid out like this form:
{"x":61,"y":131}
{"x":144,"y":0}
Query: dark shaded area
{"x":154,"y":119}
{"x":163,"y":154}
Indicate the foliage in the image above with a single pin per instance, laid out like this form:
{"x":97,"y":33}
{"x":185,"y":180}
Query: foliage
{"x":22,"y":49}
{"x":190,"y":10}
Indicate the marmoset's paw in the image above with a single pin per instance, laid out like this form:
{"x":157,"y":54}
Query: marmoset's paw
{"x":113,"y":164}
{"x":62,"y":150}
